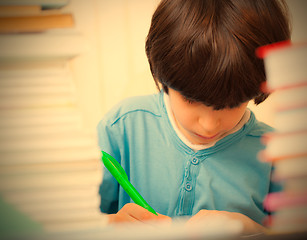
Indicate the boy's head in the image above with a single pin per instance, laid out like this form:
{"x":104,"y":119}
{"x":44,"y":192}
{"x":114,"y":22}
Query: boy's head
{"x":205,"y":49}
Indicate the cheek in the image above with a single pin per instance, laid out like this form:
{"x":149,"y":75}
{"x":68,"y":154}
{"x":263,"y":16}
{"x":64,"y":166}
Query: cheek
{"x":187,"y":122}
{"x":228,"y":125}
{"x":232,"y":120}
{"x":185,"y":117}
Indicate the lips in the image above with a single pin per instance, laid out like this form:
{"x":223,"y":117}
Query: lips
{"x":207,"y":138}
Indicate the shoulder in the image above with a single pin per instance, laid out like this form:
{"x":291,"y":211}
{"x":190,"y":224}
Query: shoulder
{"x":259,"y":128}
{"x":132,"y":108}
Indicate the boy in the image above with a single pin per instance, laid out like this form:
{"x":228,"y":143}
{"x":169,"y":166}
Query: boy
{"x":191,"y":149}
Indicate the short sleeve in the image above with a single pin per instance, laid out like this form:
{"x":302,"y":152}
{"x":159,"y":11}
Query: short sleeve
{"x":275,"y":186}
{"x":108,"y":189}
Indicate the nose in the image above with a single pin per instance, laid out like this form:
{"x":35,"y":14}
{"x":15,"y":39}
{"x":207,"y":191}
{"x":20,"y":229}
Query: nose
{"x":210,"y":123}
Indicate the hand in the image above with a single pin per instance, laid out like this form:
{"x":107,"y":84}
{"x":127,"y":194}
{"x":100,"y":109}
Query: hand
{"x":249,"y":226}
{"x":132,"y":212}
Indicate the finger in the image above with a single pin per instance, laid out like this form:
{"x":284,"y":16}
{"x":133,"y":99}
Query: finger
{"x":201,"y":215}
{"x":120,"y":218}
{"x":164,"y":218}
{"x":132,"y":211}
{"x":140,"y":213}
{"x":143,"y":215}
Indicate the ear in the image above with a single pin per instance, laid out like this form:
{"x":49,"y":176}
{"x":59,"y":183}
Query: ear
{"x":260,"y":98}
{"x":165,"y":88}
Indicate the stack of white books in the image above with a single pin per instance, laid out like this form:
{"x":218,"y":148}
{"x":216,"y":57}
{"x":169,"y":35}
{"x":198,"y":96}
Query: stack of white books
{"x":286,"y":71}
{"x":50,"y":167}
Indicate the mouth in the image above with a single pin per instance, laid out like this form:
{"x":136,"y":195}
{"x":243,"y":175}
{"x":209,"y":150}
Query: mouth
{"x":207,"y":138}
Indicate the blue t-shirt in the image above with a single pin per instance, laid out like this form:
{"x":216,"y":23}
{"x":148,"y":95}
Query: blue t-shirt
{"x":174,"y":179}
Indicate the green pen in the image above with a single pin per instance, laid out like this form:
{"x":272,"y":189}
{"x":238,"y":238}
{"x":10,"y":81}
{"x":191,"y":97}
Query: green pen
{"x":121,"y":177}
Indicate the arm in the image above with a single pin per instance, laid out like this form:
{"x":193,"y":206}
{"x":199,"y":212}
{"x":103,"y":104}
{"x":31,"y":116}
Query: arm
{"x":249,"y":226}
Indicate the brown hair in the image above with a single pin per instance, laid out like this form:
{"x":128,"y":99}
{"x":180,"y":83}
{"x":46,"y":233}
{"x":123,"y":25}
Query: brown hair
{"x":205,"y":49}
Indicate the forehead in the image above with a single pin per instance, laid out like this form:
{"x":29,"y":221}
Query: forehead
{"x":177,"y":98}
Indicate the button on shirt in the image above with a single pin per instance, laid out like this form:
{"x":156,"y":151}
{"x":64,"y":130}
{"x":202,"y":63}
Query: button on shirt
{"x":194,"y":161}
{"x":173,"y":178}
